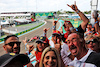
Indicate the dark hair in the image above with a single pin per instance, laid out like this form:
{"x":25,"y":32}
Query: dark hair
{"x":9,"y":37}
{"x":64,"y":26}
{"x":90,"y":24}
{"x":80,"y":35}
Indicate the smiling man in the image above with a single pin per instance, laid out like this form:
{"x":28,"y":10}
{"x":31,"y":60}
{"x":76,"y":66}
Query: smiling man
{"x":77,"y":48}
{"x":76,"y":45}
{"x":12,"y":44}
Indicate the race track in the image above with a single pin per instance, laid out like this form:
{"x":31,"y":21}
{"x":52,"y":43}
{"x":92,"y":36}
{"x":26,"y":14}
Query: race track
{"x":37,"y":32}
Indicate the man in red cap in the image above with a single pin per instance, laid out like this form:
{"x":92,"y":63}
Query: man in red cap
{"x":56,"y":36}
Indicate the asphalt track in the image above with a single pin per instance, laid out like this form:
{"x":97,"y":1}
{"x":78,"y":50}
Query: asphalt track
{"x":37,"y":32}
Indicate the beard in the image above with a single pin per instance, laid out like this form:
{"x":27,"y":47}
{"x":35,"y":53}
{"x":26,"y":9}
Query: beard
{"x":15,"y":50}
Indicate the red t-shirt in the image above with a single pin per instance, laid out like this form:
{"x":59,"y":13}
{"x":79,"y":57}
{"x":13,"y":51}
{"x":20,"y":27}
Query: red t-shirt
{"x":66,"y":35}
{"x":38,"y":55}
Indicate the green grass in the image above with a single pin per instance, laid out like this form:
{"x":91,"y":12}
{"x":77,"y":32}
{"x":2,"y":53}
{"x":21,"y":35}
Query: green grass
{"x":27,"y":24}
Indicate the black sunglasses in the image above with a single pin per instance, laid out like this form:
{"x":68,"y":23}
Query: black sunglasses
{"x":93,"y":41}
{"x":64,"y":26}
{"x":12,"y":43}
{"x":53,"y":35}
{"x":39,"y":42}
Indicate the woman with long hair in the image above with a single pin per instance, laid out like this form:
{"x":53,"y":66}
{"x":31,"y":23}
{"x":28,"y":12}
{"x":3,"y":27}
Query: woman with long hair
{"x":50,"y":58}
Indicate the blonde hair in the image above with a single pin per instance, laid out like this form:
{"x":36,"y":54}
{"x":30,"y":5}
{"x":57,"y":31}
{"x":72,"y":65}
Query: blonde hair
{"x":56,"y":53}
{"x":89,"y":37}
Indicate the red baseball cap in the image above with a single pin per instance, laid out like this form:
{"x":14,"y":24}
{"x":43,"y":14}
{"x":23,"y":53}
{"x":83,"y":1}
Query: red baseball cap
{"x":56,"y":32}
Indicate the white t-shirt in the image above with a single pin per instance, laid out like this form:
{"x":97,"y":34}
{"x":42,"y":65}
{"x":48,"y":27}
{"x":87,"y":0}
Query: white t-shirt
{"x":81,"y":62}
{"x":65,"y":53}
{"x":51,"y":43}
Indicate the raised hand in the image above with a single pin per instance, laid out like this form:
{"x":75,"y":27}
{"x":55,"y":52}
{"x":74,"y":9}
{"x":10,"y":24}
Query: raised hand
{"x":73,"y":6}
{"x":31,"y":47}
{"x":25,"y":41}
{"x":58,"y":45}
{"x":55,"y":22}
{"x":46,"y":29}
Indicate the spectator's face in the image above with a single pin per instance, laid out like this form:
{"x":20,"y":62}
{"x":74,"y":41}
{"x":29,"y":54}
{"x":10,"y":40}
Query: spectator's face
{"x":89,"y":26}
{"x":74,"y":44}
{"x":50,"y":59}
{"x":40,"y":46}
{"x":12,"y":44}
{"x":66,"y":28}
{"x":93,"y":29}
{"x":55,"y":37}
{"x":92,"y":44}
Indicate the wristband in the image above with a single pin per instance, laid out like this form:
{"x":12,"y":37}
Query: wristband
{"x":54,"y":27}
{"x":96,"y":22}
{"x":72,"y":28}
{"x":77,"y":11}
{"x":25,"y":45}
{"x":44,"y":33}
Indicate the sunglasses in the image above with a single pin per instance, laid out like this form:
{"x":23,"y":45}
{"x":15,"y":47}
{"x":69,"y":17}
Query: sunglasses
{"x":93,"y":41}
{"x":39,"y":42}
{"x":68,"y":22}
{"x":53,"y":35}
{"x":12,"y":43}
{"x":64,"y":26}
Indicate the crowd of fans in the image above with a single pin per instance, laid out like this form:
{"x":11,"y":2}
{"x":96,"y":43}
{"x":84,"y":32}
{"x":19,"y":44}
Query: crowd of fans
{"x":78,"y":47}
